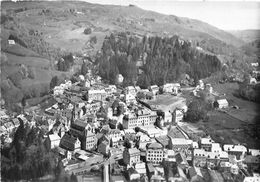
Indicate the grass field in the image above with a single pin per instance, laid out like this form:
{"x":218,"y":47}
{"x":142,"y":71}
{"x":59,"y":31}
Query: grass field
{"x":167,"y":102}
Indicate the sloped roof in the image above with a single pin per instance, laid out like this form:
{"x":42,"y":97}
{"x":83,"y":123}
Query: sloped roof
{"x":133,"y":151}
{"x":54,"y":137}
{"x":155,"y":145}
{"x":222,"y":101}
{"x":79,"y":125}
{"x":68,"y":142}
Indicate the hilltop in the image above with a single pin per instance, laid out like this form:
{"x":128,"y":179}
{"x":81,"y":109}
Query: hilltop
{"x":47,"y":31}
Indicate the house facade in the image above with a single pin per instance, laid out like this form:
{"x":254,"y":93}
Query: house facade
{"x":141,"y":118}
{"x":155,"y":153}
{"x":131,"y":156}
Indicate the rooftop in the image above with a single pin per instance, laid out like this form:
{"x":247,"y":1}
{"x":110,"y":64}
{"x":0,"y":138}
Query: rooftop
{"x":155,"y":145}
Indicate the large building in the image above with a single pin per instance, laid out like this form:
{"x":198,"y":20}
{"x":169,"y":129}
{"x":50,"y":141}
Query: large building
{"x":131,"y":156}
{"x":142,"y":117}
{"x":86,"y":133}
{"x":100,"y":95}
{"x":155,"y":153}
{"x":180,"y":144}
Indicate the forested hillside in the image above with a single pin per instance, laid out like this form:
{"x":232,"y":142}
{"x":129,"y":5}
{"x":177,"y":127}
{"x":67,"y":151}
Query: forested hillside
{"x":152,"y":60}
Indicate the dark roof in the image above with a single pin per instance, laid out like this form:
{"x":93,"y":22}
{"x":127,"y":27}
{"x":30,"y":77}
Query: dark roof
{"x":68,"y":142}
{"x":192,"y":172}
{"x":164,"y":140}
{"x":131,"y":171}
{"x":79,"y":125}
{"x":155,"y":145}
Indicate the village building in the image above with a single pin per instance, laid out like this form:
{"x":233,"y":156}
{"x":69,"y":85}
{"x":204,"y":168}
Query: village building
{"x":115,"y":136}
{"x":52,"y":141}
{"x":221,"y":104}
{"x":206,"y":143}
{"x":70,"y":143}
{"x":99,"y":95}
{"x":142,"y":117}
{"x":178,"y":115}
{"x":129,"y":98}
{"x":237,"y":150}
{"x":171,"y":87}
{"x":130,"y":90}
{"x":252,"y":162}
{"x":155,"y":153}
{"x":85,"y":132}
{"x":11,"y":42}
{"x":179,"y":144}
{"x":199,"y":158}
{"x":154,"y":89}
{"x":131,"y":156}
{"x":140,"y":168}
{"x":132,"y":174}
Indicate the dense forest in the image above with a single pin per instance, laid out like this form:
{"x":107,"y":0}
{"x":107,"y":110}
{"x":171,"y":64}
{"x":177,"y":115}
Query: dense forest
{"x":152,"y":60}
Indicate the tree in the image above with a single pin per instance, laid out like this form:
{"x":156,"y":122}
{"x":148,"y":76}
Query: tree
{"x":87,"y":31}
{"x":84,"y":68}
{"x":73,"y":178}
{"x":31,"y":72}
{"x":54,"y":82}
{"x":140,"y":95}
{"x":197,"y":110}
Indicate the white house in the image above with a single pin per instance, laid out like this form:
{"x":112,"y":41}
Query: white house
{"x":129,"y":98}
{"x":53,"y":141}
{"x":221,"y":103}
{"x":11,"y":42}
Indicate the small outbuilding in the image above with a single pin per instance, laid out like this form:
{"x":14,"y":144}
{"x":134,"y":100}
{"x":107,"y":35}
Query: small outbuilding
{"x":221,"y":103}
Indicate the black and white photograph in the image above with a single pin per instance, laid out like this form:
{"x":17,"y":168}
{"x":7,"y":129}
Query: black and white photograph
{"x":130,"y":91}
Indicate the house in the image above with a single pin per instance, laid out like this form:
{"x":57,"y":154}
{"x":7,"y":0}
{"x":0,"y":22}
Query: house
{"x":179,"y":144}
{"x":131,"y":156}
{"x":155,"y":153}
{"x":70,"y":143}
{"x":132,"y":174}
{"x":130,"y":90}
{"x":254,"y":152}
{"x":116,"y":136}
{"x":221,"y":104}
{"x":129,"y":98}
{"x":213,"y":159}
{"x":252,"y":81}
{"x":181,"y":160}
{"x":206,"y":143}
{"x":154,"y":89}
{"x":53,"y":141}
{"x":11,"y":42}
{"x":163,"y":140}
{"x":169,"y":156}
{"x":16,"y":122}
{"x":140,"y":168}
{"x":252,"y":162}
{"x":234,"y":169}
{"x":255,"y":64}
{"x":171,"y":87}
{"x":178,"y":115}
{"x":158,"y":174}
{"x":142,"y":117}
{"x":99,"y":94}
{"x":237,"y":150}
{"x":153,"y":131}
{"x":57,"y":90}
{"x":86,"y":133}
{"x":199,"y":158}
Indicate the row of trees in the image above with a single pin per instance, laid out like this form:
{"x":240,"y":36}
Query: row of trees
{"x":27,"y":157}
{"x":160,"y":59}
